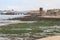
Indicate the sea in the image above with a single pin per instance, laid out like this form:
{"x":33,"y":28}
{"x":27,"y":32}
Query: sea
{"x":4,"y":21}
{"x":10,"y":16}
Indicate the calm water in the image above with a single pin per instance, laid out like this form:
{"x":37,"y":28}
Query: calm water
{"x":6,"y":38}
{"x":6,"y":22}
{"x":10,"y":16}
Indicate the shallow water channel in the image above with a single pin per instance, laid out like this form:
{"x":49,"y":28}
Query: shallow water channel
{"x":6,"y":38}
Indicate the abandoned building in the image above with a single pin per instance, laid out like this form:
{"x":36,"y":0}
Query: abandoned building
{"x":39,"y":12}
{"x":53,"y":12}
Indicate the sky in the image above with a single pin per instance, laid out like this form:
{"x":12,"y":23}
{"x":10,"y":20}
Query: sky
{"x":24,"y":5}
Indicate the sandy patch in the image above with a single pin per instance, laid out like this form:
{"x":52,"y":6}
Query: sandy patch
{"x":51,"y":38}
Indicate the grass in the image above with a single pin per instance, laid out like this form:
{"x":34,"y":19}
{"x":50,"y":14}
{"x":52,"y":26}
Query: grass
{"x":34,"y":26}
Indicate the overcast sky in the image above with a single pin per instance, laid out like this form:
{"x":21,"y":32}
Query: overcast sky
{"x":23,"y":5}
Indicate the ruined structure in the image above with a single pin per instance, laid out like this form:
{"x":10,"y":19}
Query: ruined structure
{"x":51,"y":14}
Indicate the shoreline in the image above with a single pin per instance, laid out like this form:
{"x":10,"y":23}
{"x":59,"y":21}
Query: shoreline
{"x":7,"y":22}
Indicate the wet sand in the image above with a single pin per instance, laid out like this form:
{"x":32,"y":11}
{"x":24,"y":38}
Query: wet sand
{"x":51,"y":38}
